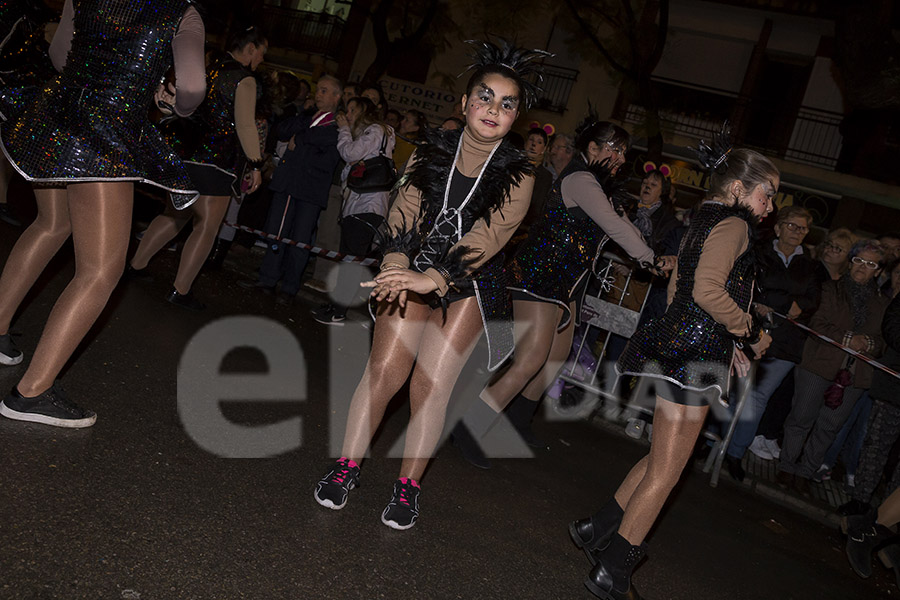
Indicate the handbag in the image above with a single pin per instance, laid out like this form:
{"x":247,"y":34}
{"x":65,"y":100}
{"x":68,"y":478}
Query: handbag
{"x":376,"y":174}
{"x":834,"y":395}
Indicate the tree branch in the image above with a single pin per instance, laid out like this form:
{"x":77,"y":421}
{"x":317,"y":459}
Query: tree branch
{"x":586,"y":28}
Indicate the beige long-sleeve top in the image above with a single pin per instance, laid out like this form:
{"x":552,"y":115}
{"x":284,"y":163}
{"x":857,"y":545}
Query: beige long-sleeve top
{"x":726,"y":241}
{"x":187,"y":49}
{"x":582,"y":189}
{"x":484,"y":241}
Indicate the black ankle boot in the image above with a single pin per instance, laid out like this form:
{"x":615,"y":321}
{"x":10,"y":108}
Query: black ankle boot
{"x":592,"y":534}
{"x":863,"y":535}
{"x":610,"y":578}
{"x":469,"y":447}
{"x":474,"y":425}
{"x":520,"y":412}
{"x":219,"y":252}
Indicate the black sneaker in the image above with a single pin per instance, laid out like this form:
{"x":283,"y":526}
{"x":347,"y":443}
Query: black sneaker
{"x":327,"y":316}
{"x":334,"y":487}
{"x":403,"y":509}
{"x":9,"y":354}
{"x":132,"y":274}
{"x":50,"y":408}
{"x":252,"y":284}
{"x":184,"y":300}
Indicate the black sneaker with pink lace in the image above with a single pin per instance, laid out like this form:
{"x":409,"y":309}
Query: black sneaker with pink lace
{"x":334,"y":487}
{"x":403,"y":509}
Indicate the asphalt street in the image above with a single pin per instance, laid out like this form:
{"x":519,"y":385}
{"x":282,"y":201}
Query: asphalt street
{"x":158,"y":501}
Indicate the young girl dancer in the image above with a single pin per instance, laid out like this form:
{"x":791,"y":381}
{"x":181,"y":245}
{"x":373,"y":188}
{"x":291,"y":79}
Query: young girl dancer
{"x":549,"y":272}
{"x":85,"y":136}
{"x":687,"y":355}
{"x":460,"y":201}
{"x":229,"y":138}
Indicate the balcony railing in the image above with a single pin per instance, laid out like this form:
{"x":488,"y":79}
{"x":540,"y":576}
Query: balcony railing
{"x":556,"y":87}
{"x":814,"y":139}
{"x":318,"y":33}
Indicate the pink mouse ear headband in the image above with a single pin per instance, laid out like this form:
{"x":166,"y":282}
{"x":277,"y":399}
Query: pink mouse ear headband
{"x":663,"y":168}
{"x":549,"y":128}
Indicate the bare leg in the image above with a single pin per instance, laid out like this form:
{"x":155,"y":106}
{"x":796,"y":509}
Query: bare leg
{"x":394,"y":345}
{"x":675,"y":431}
{"x":34,"y":249}
{"x":100,"y":214}
{"x":208,"y":214}
{"x":559,"y":352}
{"x":535,"y":328}
{"x":444,"y":350}
{"x":889,"y":511}
{"x":161,"y":231}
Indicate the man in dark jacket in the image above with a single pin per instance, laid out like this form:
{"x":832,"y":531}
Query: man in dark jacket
{"x":300,"y":188}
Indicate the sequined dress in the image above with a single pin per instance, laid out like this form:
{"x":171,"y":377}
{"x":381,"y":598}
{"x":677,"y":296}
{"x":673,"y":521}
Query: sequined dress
{"x":686,"y":346}
{"x":90,"y":123}
{"x":219,"y":144}
{"x":23,"y":49}
{"x":559,"y":250}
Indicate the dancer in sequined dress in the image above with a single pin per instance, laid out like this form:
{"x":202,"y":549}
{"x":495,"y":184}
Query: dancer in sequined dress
{"x":687,"y":355}
{"x":84,"y":139}
{"x":228,"y":140}
{"x":23,"y":61}
{"x":549,"y":273}
{"x":462,"y":197}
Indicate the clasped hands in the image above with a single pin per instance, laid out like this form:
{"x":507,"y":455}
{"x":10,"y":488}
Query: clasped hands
{"x":393,"y":284}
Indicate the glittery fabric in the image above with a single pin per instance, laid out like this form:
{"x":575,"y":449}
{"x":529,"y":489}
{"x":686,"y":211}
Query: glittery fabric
{"x":218,"y":136}
{"x":559,"y":250}
{"x":23,"y":55}
{"x":90,"y":123}
{"x":686,"y":346}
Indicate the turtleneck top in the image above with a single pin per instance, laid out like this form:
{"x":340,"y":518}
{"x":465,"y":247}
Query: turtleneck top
{"x":484,"y":241}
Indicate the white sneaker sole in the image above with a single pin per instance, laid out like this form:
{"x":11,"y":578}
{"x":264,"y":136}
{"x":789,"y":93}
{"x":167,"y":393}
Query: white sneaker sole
{"x":328,"y":503}
{"x":10,"y":361}
{"x":396,"y":525}
{"x":45,"y":420}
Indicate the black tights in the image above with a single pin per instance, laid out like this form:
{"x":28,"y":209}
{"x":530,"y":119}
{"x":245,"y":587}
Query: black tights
{"x":98,"y":217}
{"x":418,"y":339}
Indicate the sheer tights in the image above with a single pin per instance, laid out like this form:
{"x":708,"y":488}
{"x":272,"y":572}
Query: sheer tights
{"x":99,"y":218}
{"x":889,"y":511}
{"x":33,"y":251}
{"x":649,"y":483}
{"x":208,"y":212}
{"x":416,"y":338}
{"x":541,"y":351}
{"x":6,"y":173}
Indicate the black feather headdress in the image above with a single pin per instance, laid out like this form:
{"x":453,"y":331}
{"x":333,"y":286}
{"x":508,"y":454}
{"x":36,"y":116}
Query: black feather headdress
{"x":521,"y":61}
{"x":714,"y":157}
{"x":591,"y":118}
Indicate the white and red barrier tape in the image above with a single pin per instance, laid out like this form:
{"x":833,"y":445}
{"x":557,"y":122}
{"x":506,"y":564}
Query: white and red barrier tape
{"x":329,"y":254}
{"x":846,"y":349}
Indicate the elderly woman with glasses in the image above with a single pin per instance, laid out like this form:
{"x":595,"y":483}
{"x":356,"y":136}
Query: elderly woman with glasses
{"x":789,"y":281}
{"x":832,"y":251}
{"x":850,"y":312}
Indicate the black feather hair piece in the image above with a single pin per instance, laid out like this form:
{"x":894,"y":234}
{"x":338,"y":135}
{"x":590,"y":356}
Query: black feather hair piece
{"x":522,"y":61}
{"x":613,"y":187}
{"x":714,"y":157}
{"x":591,"y":118}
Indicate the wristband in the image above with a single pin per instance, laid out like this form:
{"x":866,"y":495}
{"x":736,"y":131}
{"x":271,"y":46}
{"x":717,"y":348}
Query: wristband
{"x":256,"y":165}
{"x":444,"y":273}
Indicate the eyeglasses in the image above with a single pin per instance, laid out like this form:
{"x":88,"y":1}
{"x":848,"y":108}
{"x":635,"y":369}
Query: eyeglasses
{"x":796,"y":228}
{"x":867,"y":263}
{"x":617,"y":150}
{"x":833,"y":246}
